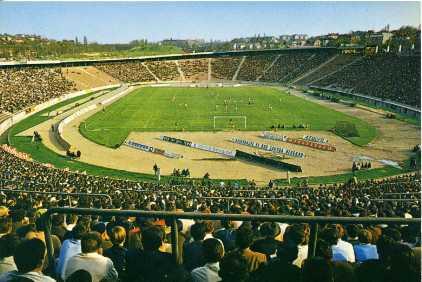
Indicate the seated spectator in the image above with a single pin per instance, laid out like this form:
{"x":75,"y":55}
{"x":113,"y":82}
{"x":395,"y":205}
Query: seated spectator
{"x":342,"y":251}
{"x":234,"y":267}
{"x":281,"y":268}
{"x":8,"y":245}
{"x":317,"y":269}
{"x":29,"y":258}
{"x":244,"y":239}
{"x":117,"y":253}
{"x":149,"y":264}
{"x":213,"y":253}
{"x":227,"y":235}
{"x":365,"y":250}
{"x":268,"y":244}
{"x":92,"y":260}
{"x":193,"y":253}
{"x":80,"y":276}
{"x":295,"y":234}
{"x":70,"y":247}
{"x":403,"y":265}
{"x":5,"y":226}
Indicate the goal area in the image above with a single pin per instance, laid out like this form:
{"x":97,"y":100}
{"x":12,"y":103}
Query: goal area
{"x":230,"y":122}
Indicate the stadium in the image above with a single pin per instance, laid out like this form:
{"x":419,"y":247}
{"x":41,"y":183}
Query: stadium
{"x":300,"y":164}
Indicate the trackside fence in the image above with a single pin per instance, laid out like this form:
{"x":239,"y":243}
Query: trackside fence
{"x":313,"y":221}
{"x":69,"y":195}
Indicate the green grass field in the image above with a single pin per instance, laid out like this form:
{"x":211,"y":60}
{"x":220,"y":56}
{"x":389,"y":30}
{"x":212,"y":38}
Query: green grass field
{"x":194,"y":109}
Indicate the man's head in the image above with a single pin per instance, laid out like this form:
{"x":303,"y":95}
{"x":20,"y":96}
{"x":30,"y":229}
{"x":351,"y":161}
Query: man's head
{"x":365,"y":236}
{"x":8,"y":245}
{"x":244,"y":237}
{"x":117,"y":235}
{"x":234,"y":267}
{"x":213,"y":250}
{"x":270,"y":229}
{"x":91,"y":243}
{"x":29,"y":255}
{"x":152,"y":238}
{"x":198,"y":231}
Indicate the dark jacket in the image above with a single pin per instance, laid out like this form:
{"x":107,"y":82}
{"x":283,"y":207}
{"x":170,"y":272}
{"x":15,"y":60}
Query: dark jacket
{"x":153,"y":266}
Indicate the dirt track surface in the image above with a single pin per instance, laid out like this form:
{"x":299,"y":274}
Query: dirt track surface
{"x":394,"y":143}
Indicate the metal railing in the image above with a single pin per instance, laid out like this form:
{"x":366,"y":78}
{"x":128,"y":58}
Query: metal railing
{"x":313,"y":221}
{"x":69,"y":195}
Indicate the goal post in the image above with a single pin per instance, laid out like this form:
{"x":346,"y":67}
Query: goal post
{"x":230,"y":122}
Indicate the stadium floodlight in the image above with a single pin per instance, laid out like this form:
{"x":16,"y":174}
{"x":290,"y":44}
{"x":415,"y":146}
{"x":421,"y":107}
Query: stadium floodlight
{"x":228,"y":118}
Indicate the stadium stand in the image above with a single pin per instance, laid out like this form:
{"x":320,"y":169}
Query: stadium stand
{"x":389,"y":77}
{"x":164,"y":70}
{"x":254,"y":66}
{"x":196,"y":69}
{"x":262,"y":245}
{"x":24,"y":87}
{"x":87,"y":77}
{"x":138,"y":248}
{"x":335,"y":65}
{"x":224,"y":68}
{"x":127,"y":72}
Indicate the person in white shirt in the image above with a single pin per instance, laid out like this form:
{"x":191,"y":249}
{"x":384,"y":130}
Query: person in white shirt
{"x":342,"y":250}
{"x":91,"y":260}
{"x":213,"y":253}
{"x":29,"y":258}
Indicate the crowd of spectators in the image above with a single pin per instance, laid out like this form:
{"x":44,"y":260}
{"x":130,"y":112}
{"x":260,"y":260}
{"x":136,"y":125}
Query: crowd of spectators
{"x":335,"y":64}
{"x":225,"y":68}
{"x":194,"y":69}
{"x":127,"y":72}
{"x":389,"y":77}
{"x":254,"y":66}
{"x":138,"y":249}
{"x":21,"y":88}
{"x":164,"y":70}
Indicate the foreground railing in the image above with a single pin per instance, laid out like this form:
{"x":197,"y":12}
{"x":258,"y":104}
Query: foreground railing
{"x":313,"y":221}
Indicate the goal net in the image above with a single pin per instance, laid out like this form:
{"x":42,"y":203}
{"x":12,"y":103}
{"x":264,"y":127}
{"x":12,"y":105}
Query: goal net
{"x":230,"y":122}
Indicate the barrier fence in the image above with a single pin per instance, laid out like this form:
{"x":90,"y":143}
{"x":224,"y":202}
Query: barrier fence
{"x":313,"y":221}
{"x":69,"y":195}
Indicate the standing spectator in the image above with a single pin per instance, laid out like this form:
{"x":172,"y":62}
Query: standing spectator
{"x":92,"y":260}
{"x":213,"y":253}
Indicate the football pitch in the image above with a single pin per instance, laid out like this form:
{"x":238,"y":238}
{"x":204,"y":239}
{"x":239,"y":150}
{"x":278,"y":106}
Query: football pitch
{"x":212,"y":109}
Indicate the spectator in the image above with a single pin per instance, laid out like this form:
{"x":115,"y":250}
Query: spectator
{"x":92,"y":260}
{"x":234,"y":267}
{"x":70,"y":248}
{"x":29,"y":263}
{"x":193,"y":252}
{"x":244,"y":239}
{"x":151,"y":265}
{"x":117,"y":253}
{"x":268,"y":245}
{"x":8,"y":245}
{"x":213,"y":253}
{"x":365,"y":250}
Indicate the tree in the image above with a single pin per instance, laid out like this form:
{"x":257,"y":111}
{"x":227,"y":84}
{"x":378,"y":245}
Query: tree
{"x":85,"y":40}
{"x":76,"y":40}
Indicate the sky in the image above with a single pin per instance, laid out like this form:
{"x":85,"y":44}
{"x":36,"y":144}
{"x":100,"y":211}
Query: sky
{"x":121,"y":22}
